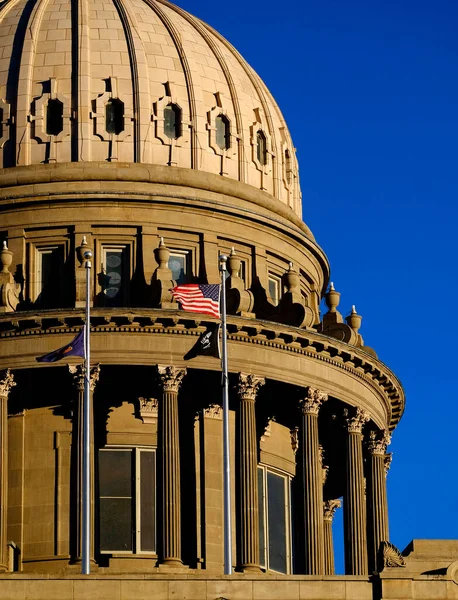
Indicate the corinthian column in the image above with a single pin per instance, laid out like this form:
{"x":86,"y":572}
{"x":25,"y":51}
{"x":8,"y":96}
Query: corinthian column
{"x":355,"y":507}
{"x":248,"y":464}
{"x":6,"y":383}
{"x":312,"y":478}
{"x":377,"y":502}
{"x":329,"y":509}
{"x":76,"y":542}
{"x":171,"y":379}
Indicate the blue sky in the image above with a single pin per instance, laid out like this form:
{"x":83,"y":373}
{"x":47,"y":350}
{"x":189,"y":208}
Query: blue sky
{"x":370,"y":94}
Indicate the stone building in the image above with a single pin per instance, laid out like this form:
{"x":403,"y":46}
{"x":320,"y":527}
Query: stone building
{"x":133,"y":128}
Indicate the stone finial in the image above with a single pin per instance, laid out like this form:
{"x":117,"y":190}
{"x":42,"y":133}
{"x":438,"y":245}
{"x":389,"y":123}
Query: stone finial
{"x":9,"y":290}
{"x":291,"y":279}
{"x":357,"y":420}
{"x":378,"y":442}
{"x":249,"y":385}
{"x":329,"y":509}
{"x":354,"y":320}
{"x":170,"y":377}
{"x":162,"y":254}
{"x":311,"y":404}
{"x":6,"y":258}
{"x":6,"y":383}
{"x":332,"y":298}
{"x":79,"y":374}
{"x":233,"y":264}
{"x":81,"y":250}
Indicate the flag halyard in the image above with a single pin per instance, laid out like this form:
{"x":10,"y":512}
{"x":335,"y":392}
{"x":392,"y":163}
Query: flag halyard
{"x":200,"y":298}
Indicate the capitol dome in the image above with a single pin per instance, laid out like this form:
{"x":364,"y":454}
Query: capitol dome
{"x":138,"y":82}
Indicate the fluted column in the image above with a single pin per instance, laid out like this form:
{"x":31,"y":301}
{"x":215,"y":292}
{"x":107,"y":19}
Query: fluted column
{"x":248,"y":463}
{"x":329,"y":509}
{"x":170,"y":378}
{"x":6,"y":383}
{"x":78,"y":373}
{"x":377,"y":502}
{"x":355,"y":506}
{"x":312,"y":478}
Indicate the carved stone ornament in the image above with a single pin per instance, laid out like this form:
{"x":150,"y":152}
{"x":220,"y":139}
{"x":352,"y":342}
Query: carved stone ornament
{"x":356,"y":422}
{"x":378,"y":442}
{"x":170,"y":377}
{"x":295,"y":439}
{"x":267,"y":429}
{"x":387,"y":462}
{"x":311,"y":404}
{"x":249,"y":385}
{"x":391,"y":556}
{"x":148,"y":409}
{"x":78,"y":372}
{"x":329,"y":509}
{"x":6,"y":383}
{"x":214,"y":411}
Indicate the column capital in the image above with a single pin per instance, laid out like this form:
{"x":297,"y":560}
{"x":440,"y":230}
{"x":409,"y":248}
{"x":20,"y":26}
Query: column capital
{"x":170,"y":377}
{"x":378,"y":442}
{"x":387,"y":462}
{"x":79,"y":373}
{"x":356,"y":422}
{"x":214,"y":411}
{"x":249,"y":385}
{"x":6,"y":383}
{"x":311,"y":404}
{"x":329,"y":509}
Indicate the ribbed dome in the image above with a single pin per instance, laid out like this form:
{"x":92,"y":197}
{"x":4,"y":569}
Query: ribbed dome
{"x":136,"y":81}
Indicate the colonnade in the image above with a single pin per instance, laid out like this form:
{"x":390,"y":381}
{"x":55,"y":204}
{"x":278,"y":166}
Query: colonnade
{"x":365,"y":502}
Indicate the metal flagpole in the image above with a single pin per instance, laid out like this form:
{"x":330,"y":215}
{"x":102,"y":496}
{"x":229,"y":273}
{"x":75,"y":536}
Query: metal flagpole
{"x":226,"y":453}
{"x":86,"y":533}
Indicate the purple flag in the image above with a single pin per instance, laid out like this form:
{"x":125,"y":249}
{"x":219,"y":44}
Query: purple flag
{"x":74,"y":348}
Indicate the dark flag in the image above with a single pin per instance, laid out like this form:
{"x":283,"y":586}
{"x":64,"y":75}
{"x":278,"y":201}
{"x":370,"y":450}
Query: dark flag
{"x":207,"y":344}
{"x":74,"y":348}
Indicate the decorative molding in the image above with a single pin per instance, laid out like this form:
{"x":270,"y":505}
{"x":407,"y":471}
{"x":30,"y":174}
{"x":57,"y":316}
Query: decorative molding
{"x":294,"y":433}
{"x":391,"y":555}
{"x":170,"y":377}
{"x":387,"y":462}
{"x":329,"y":509}
{"x":378,"y":442}
{"x":324,"y":467}
{"x":78,"y":372}
{"x":249,"y":385}
{"x":6,"y":383}
{"x":356,"y":422}
{"x":311,"y":404}
{"x":149,"y":409}
{"x":214,"y":411}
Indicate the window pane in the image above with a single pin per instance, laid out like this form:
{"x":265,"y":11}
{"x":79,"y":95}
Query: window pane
{"x":114,"y":116}
{"x":262,"y":538}
{"x":261,"y":148}
{"x":115,"y":473}
{"x":50,"y":264}
{"x":116,"y":524}
{"x":177,"y":264}
{"x":54,"y":117}
{"x":172,"y":121}
{"x":277,"y":522}
{"x":274,"y":290}
{"x":147,"y":502}
{"x":222,"y":132}
{"x":115,"y":266}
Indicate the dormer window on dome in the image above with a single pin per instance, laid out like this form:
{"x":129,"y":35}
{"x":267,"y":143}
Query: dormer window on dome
{"x":114,"y":116}
{"x":172,"y":121}
{"x":223,"y":132}
{"x":54,"y":117}
{"x":261,"y":147}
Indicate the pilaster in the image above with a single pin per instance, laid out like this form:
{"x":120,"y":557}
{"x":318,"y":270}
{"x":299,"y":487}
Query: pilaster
{"x":354,"y":505}
{"x":170,"y":378}
{"x":248,"y":464}
{"x":312,"y":478}
{"x":6,"y":383}
{"x":329,"y":509}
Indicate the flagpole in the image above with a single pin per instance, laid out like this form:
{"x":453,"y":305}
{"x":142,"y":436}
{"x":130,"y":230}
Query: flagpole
{"x":86,"y":484}
{"x":226,"y":452}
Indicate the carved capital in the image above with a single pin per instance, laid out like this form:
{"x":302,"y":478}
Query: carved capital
{"x":249,"y":385}
{"x":356,"y":422}
{"x":214,"y":411}
{"x":387,"y":462}
{"x":329,"y":509}
{"x":6,"y":383}
{"x":378,"y":442}
{"x":79,"y":374}
{"x":324,"y":467}
{"x":311,"y":404}
{"x":294,"y":439}
{"x":391,"y":556}
{"x":148,"y":409}
{"x":170,"y":377}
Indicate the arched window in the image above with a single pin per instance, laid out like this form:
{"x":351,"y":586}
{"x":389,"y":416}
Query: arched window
{"x":223,"y":132}
{"x":54,"y":117}
{"x":288,"y":168}
{"x":261,"y":147}
{"x":172,"y":121}
{"x":114,"y":116}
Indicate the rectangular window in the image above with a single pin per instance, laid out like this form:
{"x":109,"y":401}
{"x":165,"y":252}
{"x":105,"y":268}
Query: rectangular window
{"x":180,"y":265}
{"x":274,"y":521}
{"x":275,"y":289}
{"x":49,"y":267}
{"x":127,"y":485}
{"x":114,"y":278}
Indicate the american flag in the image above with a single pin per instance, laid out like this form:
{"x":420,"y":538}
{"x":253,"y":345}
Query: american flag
{"x":198,"y":298}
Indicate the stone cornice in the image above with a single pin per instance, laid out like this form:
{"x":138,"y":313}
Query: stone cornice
{"x":171,"y":322}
